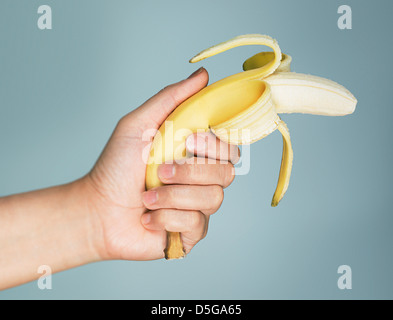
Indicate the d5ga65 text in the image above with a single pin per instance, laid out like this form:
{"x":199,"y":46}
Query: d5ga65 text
{"x":218,"y":309}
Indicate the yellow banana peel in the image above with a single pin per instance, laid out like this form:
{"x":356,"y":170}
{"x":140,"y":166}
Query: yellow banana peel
{"x":244,"y":108}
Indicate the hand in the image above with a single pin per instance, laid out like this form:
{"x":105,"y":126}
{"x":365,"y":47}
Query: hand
{"x":192,"y":193}
{"x":107,"y":214}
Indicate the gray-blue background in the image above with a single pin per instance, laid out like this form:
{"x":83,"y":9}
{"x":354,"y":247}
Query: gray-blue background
{"x":62,"y":92}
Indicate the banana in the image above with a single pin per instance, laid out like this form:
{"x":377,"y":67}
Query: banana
{"x":244,"y":108}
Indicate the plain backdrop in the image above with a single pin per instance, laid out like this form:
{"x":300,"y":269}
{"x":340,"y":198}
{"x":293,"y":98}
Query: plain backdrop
{"x":63,"y":90}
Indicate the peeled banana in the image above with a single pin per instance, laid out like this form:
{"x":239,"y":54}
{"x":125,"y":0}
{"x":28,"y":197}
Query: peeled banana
{"x":244,"y":108}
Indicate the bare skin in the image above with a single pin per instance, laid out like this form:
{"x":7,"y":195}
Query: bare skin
{"x":108,"y":214}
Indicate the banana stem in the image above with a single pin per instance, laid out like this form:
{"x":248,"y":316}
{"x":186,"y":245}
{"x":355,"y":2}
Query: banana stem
{"x":174,"y":246}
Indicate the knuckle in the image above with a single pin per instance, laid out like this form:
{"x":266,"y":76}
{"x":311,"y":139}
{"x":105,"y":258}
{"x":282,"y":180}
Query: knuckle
{"x":196,"y":220}
{"x":166,"y":88}
{"x":126,"y":128}
{"x":122,"y":123}
{"x":226,"y":174}
{"x":229,"y":174}
{"x":217,"y":197}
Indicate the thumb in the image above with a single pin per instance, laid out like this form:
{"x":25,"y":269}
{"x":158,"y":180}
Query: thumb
{"x":154,"y":111}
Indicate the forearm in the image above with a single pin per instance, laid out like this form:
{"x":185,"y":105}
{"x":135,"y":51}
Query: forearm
{"x":51,"y":227}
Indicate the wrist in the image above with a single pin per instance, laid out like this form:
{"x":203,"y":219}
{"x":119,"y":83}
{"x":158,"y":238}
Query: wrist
{"x":95,"y":206}
{"x":83,"y":204}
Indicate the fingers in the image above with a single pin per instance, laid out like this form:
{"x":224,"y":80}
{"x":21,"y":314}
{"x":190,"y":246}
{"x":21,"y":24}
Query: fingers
{"x":176,"y":221}
{"x":200,"y":171}
{"x":208,"y":145}
{"x":155,"y":110}
{"x":206,"y":199}
{"x":192,"y":224}
{"x":197,"y":173}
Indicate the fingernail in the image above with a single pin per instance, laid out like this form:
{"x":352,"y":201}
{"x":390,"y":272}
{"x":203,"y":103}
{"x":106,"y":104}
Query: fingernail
{"x":195,"y":73}
{"x":146,"y":218}
{"x":166,"y":171}
{"x":150,"y":197}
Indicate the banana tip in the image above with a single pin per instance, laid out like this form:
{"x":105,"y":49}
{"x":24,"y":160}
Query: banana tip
{"x":274,"y":203}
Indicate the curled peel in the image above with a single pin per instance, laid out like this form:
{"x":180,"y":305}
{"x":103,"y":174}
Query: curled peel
{"x":244,"y":108}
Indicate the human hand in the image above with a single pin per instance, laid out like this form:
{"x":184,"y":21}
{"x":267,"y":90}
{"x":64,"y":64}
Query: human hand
{"x":193,"y":190}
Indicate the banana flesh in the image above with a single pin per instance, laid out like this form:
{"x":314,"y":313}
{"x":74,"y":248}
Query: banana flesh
{"x":244,"y":108}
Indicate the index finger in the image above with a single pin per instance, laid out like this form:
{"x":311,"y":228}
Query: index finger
{"x":206,"y":144}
